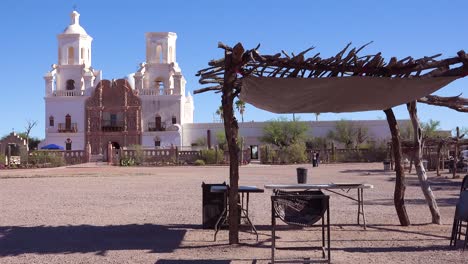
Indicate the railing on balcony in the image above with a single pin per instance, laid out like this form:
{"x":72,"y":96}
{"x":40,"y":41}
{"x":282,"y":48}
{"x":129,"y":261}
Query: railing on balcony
{"x":69,"y":93}
{"x":71,"y":128}
{"x":152,"y":127}
{"x":112,"y":126}
{"x":150,"y":92}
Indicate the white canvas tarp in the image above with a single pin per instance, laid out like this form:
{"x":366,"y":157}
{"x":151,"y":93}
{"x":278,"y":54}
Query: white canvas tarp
{"x":336,"y":94}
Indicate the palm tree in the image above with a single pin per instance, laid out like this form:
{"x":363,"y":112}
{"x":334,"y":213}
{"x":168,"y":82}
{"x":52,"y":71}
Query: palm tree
{"x":240,"y":105}
{"x":316,"y":116}
{"x":430,"y":128}
{"x":220,"y":112}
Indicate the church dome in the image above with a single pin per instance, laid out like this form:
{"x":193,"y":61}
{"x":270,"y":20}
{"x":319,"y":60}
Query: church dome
{"x":75,"y":27}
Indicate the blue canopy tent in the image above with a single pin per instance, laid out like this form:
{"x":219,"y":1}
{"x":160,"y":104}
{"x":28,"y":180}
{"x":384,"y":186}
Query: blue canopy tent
{"x":52,"y":146}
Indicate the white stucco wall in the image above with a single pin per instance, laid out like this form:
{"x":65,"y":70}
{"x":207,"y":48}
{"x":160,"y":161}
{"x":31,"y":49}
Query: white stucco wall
{"x":167,"y":138}
{"x":59,"y":107}
{"x":251,"y":131}
{"x":165,"y":105}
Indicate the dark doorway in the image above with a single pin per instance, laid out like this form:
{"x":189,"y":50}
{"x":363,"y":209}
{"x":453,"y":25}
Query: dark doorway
{"x":68,"y":122}
{"x":116,"y":145}
{"x":158,"y":123}
{"x":254,"y":152}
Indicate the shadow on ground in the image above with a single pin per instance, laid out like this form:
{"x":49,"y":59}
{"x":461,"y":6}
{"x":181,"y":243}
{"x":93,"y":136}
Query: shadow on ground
{"x":192,"y":261}
{"x":364,"y":172}
{"x":389,"y":202}
{"x":16,"y":240}
{"x":197,"y":261}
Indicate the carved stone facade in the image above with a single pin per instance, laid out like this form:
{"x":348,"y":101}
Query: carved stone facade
{"x":113,"y":114}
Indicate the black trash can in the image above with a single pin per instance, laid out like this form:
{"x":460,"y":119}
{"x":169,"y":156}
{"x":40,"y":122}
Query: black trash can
{"x":212,"y":205}
{"x":301,"y":175}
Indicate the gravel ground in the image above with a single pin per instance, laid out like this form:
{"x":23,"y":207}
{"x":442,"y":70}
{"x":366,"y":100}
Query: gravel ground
{"x":100,"y":214}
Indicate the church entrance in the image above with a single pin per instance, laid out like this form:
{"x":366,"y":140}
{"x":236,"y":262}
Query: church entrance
{"x":113,"y":115}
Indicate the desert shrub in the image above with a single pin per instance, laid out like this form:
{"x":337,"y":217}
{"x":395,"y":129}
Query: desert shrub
{"x":295,"y":153}
{"x":268,"y":154}
{"x":56,"y":161}
{"x":2,"y":159}
{"x":52,"y":159}
{"x":139,"y":155}
{"x":200,"y":142}
{"x":210,"y":156}
{"x":199,"y":162}
{"x":127,"y":161}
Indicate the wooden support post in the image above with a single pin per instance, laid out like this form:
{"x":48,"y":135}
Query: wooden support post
{"x":233,"y":61}
{"x":455,"y":155}
{"x":420,"y":170}
{"x":400,"y":181}
{"x":439,"y":148}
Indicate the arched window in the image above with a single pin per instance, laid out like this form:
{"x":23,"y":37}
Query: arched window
{"x":82,"y":53}
{"x":159,"y":57}
{"x":174,"y":120}
{"x":51,"y":121}
{"x":71,"y":55}
{"x":70,"y":84}
{"x":68,"y":122}
{"x":68,"y":144}
{"x":171,"y":58}
{"x":159,"y":85}
{"x":158,"y":123}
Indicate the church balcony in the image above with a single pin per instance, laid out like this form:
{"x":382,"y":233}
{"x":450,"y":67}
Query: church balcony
{"x":152,"y":92}
{"x":153,"y":127}
{"x":156,"y":92}
{"x":71,"y":128}
{"x":112,"y":126}
{"x":69,"y":93}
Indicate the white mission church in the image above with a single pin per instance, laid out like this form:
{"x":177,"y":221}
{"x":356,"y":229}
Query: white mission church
{"x":150,"y":107}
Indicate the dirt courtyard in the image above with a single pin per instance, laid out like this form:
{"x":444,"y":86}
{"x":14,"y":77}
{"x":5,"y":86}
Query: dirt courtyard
{"x":100,"y":214}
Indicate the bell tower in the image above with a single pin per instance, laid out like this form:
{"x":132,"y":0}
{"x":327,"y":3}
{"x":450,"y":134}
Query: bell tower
{"x":74,"y":57}
{"x":67,"y":86}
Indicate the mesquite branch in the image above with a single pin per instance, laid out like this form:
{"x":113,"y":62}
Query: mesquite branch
{"x":347,"y":62}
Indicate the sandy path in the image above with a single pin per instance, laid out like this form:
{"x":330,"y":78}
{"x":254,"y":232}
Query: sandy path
{"x":96,"y":214}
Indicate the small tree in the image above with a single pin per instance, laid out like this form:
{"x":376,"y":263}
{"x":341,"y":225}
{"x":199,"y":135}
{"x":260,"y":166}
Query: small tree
{"x":430,"y":128}
{"x":200,"y":142}
{"x":283,"y":133}
{"x":219,"y":112}
{"x":240,"y":106}
{"x":351,"y":135}
{"x":344,"y":133}
{"x":33,"y":142}
{"x":316,"y":116}
{"x":361,"y":135}
{"x":29,"y":126}
{"x":221,"y":139}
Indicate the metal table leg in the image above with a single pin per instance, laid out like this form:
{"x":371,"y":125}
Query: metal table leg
{"x":223,"y":215}
{"x":361,"y":208}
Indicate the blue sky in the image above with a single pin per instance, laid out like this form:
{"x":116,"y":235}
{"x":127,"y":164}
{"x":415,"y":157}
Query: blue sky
{"x":398,"y":28}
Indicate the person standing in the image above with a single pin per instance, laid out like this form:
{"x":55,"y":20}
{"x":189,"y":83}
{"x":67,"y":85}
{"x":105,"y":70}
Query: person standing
{"x":317,"y":158}
{"x":314,"y":159}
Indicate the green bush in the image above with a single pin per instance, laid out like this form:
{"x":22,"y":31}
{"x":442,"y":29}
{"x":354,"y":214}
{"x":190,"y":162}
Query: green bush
{"x":268,"y":154}
{"x":127,"y":161}
{"x":46,"y":158}
{"x":139,"y":155}
{"x":209,"y":156}
{"x":199,"y":163}
{"x":2,"y":159}
{"x":295,"y":153}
